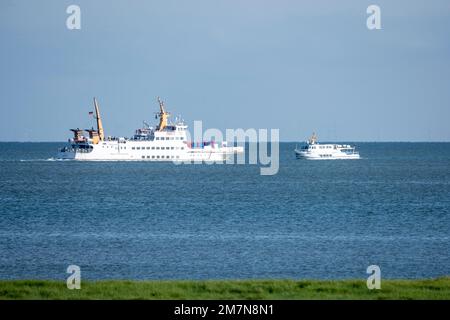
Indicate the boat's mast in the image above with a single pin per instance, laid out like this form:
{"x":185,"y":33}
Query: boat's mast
{"x":163,"y":115}
{"x":101,"y":133}
{"x":313,"y":138}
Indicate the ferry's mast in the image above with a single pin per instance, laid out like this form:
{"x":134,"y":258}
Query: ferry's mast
{"x":100,"y":131}
{"x":163,"y":115}
{"x":313,"y":139}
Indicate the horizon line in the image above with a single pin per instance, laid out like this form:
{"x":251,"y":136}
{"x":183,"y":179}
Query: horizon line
{"x":281,"y":141}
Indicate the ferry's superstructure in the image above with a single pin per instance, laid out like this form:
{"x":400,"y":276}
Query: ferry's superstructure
{"x":315,"y":151}
{"x":167,"y":142}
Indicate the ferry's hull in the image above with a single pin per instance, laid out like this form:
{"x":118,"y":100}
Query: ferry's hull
{"x":212,"y":155}
{"x":325,"y":156}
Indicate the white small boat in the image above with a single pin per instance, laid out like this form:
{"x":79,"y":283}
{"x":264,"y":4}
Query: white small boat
{"x":313,"y":150}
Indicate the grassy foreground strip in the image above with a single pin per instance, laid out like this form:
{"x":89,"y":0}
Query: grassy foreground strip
{"x":228,"y":289}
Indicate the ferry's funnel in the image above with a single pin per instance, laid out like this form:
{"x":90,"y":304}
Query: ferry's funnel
{"x":101,"y":133}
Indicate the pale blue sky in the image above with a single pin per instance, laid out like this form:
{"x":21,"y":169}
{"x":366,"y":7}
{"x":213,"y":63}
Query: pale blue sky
{"x":297,"y":66}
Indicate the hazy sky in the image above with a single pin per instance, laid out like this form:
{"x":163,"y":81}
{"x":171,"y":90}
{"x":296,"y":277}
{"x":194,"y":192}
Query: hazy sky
{"x":299,"y":66}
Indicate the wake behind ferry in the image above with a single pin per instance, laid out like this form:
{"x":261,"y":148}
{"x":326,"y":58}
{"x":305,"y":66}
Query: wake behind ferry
{"x":315,"y":151}
{"x":166,"y":142}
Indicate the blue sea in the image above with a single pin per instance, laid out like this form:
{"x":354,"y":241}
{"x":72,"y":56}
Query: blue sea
{"x":144,"y":220}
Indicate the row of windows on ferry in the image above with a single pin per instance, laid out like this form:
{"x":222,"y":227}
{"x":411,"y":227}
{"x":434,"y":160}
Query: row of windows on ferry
{"x":168,"y":138}
{"x":157,"y":148}
{"x":148,"y":148}
{"x":161,"y":157}
{"x":321,"y":147}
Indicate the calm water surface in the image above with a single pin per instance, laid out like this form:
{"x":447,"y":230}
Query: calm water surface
{"x":141,"y":220}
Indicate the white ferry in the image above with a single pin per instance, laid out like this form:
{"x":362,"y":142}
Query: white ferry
{"x":166,"y":142}
{"x":315,"y":151}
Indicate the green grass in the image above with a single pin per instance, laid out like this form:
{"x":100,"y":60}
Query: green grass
{"x":228,"y":289}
